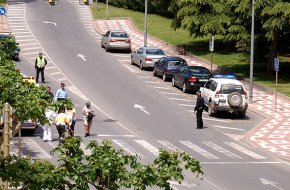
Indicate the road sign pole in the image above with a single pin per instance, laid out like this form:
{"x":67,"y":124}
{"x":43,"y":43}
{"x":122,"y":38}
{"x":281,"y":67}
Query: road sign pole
{"x":276,"y":91}
{"x":211,"y":48}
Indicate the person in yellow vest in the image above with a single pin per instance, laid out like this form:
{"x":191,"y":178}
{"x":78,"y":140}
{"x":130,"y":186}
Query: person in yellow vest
{"x":40,"y":63}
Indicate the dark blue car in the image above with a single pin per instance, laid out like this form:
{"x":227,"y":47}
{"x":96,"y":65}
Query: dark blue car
{"x":191,"y":78}
{"x":167,"y":66}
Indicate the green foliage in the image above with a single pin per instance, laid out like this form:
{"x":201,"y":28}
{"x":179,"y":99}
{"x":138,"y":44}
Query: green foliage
{"x":7,"y":47}
{"x":104,"y":168}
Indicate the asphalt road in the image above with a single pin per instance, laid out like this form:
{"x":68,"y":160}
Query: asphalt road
{"x":166,"y":119}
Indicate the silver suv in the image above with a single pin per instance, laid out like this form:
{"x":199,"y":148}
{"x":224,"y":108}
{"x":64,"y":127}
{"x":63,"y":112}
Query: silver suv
{"x":225,"y":95}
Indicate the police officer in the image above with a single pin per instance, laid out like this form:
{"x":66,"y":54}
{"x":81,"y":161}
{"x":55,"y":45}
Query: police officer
{"x":40,"y":63}
{"x":199,"y":109}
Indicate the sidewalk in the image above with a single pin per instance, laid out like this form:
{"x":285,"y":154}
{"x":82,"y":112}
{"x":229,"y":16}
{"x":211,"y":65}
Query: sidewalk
{"x":3,"y":24}
{"x":273,"y":134}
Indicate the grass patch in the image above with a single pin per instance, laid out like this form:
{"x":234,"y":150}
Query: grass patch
{"x":224,"y":55}
{"x":2,"y":3}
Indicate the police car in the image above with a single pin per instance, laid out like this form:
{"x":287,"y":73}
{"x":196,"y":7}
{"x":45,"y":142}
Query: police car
{"x":225,"y":93}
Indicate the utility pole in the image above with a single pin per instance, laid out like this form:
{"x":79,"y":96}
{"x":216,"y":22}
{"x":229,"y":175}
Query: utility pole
{"x":145,"y":25}
{"x":252,"y":53}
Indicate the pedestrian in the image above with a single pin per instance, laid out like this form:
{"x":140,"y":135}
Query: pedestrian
{"x":47,"y":134}
{"x":88,"y":113}
{"x":48,"y":91}
{"x":61,"y":123}
{"x":40,"y":63}
{"x":199,"y":109}
{"x":61,"y":93}
{"x":71,"y":113}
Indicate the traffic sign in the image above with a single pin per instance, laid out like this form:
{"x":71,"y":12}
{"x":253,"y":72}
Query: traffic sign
{"x":2,"y":11}
{"x":211,"y":43}
{"x":276,"y":64}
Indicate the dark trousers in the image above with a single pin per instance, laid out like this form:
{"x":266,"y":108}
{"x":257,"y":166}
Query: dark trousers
{"x":199,"y":122}
{"x":41,"y":71}
{"x":60,"y":130}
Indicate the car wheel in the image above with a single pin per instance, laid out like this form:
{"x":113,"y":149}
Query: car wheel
{"x":184,"y":88}
{"x":173,"y":82}
{"x":154,"y":72}
{"x":164,"y":78}
{"x":210,"y":110}
{"x":242,"y":114}
{"x":141,"y":66}
{"x":235,"y":99}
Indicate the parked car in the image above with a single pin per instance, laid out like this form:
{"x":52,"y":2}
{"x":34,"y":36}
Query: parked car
{"x":145,"y":57}
{"x":191,"y":78}
{"x":117,"y":40}
{"x":222,"y":94}
{"x":15,"y":55}
{"x":167,"y":66}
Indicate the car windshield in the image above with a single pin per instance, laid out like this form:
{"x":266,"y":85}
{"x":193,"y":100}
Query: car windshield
{"x":176,"y":63}
{"x":119,"y":35}
{"x":229,"y":88}
{"x":154,"y":52}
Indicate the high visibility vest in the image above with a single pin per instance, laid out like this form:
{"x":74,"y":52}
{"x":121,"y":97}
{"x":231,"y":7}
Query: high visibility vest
{"x":40,"y":62}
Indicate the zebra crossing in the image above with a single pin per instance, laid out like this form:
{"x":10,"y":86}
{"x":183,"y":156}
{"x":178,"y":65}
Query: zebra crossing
{"x":203,"y":151}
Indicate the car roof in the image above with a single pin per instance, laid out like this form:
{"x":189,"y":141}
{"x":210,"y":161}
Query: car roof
{"x":227,"y":81}
{"x":118,"y":31}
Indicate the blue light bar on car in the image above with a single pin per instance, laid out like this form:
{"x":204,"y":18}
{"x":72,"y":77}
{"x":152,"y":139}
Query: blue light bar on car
{"x":225,"y":76}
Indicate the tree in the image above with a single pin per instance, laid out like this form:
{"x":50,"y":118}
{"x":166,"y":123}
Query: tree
{"x":27,"y":100}
{"x":105,"y":168}
{"x":232,"y":19}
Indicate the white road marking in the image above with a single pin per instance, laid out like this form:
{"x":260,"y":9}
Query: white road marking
{"x":61,"y":79}
{"x":171,"y":93}
{"x":152,"y":82}
{"x":169,"y":145}
{"x":131,"y":69}
{"x":148,"y":146}
{"x":55,"y":73}
{"x":179,"y":99}
{"x":222,"y":150}
{"x":30,"y":53}
{"x":199,"y":150}
{"x":244,"y":150}
{"x":219,"y":120}
{"x":30,"y":48}
{"x":145,"y":77}
{"x":187,"y":105}
{"x":131,"y":150}
{"x":161,"y":87}
{"x":28,"y":44}
{"x":142,"y":108}
{"x":32,"y":148}
{"x":104,"y":135}
{"x":51,"y":67}
{"x":223,"y":127}
{"x":25,"y":40}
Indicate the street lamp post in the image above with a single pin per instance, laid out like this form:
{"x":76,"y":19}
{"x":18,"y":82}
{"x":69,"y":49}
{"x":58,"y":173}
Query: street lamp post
{"x":252,"y":54}
{"x":145,"y":25}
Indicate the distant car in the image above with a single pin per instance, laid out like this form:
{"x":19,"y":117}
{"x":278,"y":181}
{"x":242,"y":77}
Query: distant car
{"x":15,"y":55}
{"x":222,"y":94}
{"x":167,"y":66}
{"x":145,"y":57}
{"x":191,"y":78}
{"x":116,"y":40}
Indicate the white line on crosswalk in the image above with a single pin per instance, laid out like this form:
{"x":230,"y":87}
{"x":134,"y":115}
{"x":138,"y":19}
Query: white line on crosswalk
{"x":152,"y":82}
{"x":187,"y":105}
{"x":223,"y":127}
{"x":148,"y":146}
{"x":222,"y":150}
{"x":55,"y":73}
{"x":30,"y":48}
{"x":125,"y":146}
{"x":169,"y":145}
{"x":244,"y":150}
{"x":199,"y":150}
{"x":30,"y":53}
{"x":219,"y":120}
